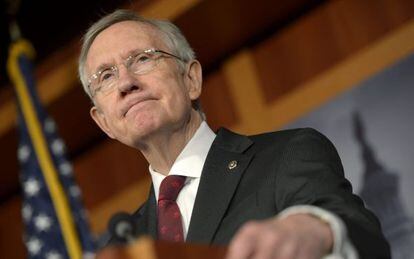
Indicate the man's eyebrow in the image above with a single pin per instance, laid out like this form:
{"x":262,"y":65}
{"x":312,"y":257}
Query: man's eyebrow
{"x":102,"y":67}
{"x":133,"y":52}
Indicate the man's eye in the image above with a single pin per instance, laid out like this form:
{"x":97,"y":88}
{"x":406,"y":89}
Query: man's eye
{"x":106,"y":75}
{"x":142,"y":58}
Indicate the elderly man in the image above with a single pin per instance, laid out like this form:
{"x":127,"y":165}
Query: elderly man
{"x":274,"y":195}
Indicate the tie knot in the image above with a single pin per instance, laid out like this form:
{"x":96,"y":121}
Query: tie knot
{"x":170,"y":187}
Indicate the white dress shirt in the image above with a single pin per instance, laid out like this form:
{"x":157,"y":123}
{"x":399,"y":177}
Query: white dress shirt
{"x":190,"y":163}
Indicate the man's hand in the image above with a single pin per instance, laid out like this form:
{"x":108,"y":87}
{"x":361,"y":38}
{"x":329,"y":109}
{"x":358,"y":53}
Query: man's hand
{"x":296,"y":236}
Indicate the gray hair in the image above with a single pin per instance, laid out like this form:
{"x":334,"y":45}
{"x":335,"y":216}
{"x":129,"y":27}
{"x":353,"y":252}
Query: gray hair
{"x":172,"y":36}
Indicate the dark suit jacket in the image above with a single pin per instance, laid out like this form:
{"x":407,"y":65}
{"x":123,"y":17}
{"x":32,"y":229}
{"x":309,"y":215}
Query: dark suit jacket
{"x":274,"y":171}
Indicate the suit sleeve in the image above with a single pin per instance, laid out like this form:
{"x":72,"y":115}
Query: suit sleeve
{"x":311,"y":173}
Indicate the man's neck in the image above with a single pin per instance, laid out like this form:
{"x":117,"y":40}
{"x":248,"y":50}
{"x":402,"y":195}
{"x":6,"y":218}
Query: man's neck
{"x":162,"y":151}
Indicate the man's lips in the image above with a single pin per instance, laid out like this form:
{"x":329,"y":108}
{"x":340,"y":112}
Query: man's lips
{"x":133,"y":102}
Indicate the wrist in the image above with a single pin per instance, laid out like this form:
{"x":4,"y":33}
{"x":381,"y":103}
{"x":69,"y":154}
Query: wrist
{"x":320,"y":228}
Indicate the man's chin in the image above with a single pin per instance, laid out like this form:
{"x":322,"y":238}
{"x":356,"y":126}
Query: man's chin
{"x":142,"y":133}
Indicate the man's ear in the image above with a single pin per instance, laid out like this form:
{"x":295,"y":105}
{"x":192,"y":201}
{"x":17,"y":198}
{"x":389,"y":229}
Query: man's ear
{"x":194,"y":77}
{"x":100,"y":120}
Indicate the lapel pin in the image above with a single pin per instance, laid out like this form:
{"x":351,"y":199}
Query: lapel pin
{"x":232,"y":164}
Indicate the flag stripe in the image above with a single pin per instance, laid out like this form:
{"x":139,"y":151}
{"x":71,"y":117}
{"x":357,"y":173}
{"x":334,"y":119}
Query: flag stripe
{"x":49,"y":171}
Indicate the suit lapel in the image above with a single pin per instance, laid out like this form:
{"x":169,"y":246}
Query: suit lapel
{"x":146,"y":222}
{"x":221,"y":174}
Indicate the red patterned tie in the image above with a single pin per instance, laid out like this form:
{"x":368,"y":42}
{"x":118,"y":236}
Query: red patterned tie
{"x":170,"y":227}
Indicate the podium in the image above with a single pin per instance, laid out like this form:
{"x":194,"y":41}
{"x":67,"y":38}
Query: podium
{"x":146,"y":248}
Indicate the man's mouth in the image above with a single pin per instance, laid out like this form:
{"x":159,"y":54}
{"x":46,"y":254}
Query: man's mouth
{"x":135,"y":104}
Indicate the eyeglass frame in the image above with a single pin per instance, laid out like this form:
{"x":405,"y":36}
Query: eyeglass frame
{"x":126,"y":63}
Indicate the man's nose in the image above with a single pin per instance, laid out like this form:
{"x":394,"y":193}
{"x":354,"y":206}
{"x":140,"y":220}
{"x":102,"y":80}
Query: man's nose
{"x":127,"y":81}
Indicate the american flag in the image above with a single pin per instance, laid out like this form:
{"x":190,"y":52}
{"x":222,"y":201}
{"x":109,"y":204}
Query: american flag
{"x":54,"y":218}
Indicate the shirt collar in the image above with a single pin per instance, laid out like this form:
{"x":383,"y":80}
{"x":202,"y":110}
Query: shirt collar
{"x":191,"y":160}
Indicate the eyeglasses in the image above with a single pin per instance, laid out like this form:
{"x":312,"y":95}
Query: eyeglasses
{"x":139,"y":63}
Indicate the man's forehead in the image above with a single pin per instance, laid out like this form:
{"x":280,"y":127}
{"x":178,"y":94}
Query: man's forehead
{"x":119,"y":39}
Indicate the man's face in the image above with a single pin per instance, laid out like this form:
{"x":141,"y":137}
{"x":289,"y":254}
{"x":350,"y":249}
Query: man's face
{"x":141,"y":106}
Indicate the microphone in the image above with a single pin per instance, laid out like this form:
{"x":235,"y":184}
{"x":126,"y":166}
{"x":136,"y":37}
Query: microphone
{"x":122,"y":227}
